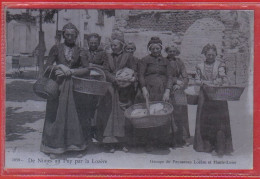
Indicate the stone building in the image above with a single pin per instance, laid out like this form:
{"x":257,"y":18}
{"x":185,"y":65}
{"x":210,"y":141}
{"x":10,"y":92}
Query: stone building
{"x":22,"y":36}
{"x":190,"y":30}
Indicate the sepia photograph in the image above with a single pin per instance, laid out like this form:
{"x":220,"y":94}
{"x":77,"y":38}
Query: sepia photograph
{"x":129,"y":89}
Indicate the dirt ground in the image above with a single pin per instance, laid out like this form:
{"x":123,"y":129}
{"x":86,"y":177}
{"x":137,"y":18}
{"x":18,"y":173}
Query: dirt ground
{"x":25,"y":119}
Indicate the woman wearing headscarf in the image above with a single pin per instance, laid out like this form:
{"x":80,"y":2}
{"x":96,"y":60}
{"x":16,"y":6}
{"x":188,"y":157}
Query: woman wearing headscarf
{"x":213,"y":132}
{"x":62,"y":128}
{"x":111,"y":123}
{"x":155,"y":78}
{"x":96,"y":56}
{"x":178,"y":97}
{"x":130,"y":47}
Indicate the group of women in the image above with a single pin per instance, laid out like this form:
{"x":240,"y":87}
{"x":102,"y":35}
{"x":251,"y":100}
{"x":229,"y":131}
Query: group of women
{"x":73,"y":119}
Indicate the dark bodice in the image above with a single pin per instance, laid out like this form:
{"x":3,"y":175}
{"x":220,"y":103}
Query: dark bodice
{"x":77,"y":59}
{"x":150,"y":65}
{"x":117,"y":62}
{"x":179,"y":69}
{"x":74,"y":58}
{"x":97,"y":57}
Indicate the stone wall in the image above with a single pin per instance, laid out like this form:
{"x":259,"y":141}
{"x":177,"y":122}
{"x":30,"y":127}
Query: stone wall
{"x":175,"y":21}
{"x":190,"y":30}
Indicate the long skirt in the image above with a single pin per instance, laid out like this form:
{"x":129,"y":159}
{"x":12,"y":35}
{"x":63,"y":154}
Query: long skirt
{"x":112,"y":127}
{"x":180,"y":116}
{"x":213,"y":130}
{"x":62,"y":128}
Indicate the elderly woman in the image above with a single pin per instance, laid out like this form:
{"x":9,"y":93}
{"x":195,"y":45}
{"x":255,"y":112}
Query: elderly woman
{"x":212,"y":133}
{"x":155,"y":77}
{"x":96,"y":56}
{"x":130,"y":47}
{"x":62,"y":128}
{"x":111,"y":124}
{"x":180,"y":113}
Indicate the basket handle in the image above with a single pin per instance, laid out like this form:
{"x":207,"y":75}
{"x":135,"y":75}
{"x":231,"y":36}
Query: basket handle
{"x":147,"y":103}
{"x":99,"y":70}
{"x":50,"y":72}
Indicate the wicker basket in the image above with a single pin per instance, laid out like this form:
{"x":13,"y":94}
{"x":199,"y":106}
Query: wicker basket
{"x":150,"y":120}
{"x":179,"y":97}
{"x":46,"y":88}
{"x":91,"y":86}
{"x":193,"y":99}
{"x":223,"y":93}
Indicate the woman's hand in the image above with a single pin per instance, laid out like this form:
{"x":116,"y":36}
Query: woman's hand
{"x":166,"y":95}
{"x":145,"y":92}
{"x":218,"y":81}
{"x":69,"y":72}
{"x":64,"y":68}
{"x":176,"y":87}
{"x":180,"y":83}
{"x":59,"y":73}
{"x":132,"y":79}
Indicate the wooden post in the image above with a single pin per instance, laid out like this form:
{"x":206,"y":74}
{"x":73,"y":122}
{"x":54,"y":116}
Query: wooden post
{"x":236,"y":69}
{"x":41,"y":48}
{"x":57,"y":23}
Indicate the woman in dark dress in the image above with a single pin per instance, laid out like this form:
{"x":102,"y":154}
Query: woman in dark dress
{"x":63,"y":126}
{"x":178,"y":97}
{"x":213,"y":132}
{"x":130,"y":47}
{"x":155,"y":77}
{"x":96,"y":56}
{"x":111,"y":123}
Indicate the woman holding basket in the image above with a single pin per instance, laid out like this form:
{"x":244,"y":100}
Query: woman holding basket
{"x":213,"y":132}
{"x":63,"y":126}
{"x":111,"y":124}
{"x":155,"y":77}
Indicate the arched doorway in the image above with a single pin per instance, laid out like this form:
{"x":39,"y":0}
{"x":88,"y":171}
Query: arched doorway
{"x":200,"y":33}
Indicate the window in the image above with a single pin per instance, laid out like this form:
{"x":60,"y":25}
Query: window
{"x":100,"y":20}
{"x":85,"y":25}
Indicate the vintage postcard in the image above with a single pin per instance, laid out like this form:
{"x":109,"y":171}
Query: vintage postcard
{"x":129,"y":89}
